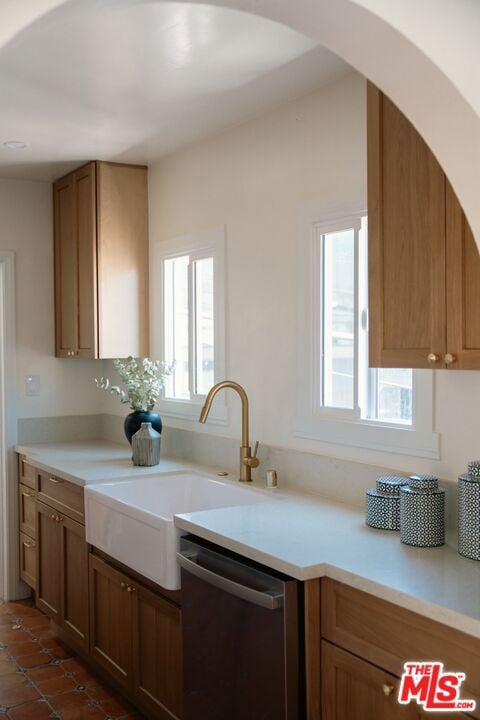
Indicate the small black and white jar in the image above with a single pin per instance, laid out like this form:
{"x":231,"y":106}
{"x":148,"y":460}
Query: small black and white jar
{"x":382,"y":503}
{"x":469,"y":515}
{"x":422,"y":512}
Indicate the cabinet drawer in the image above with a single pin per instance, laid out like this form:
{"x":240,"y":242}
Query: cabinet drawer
{"x":27,"y":474}
{"x":388,"y":635}
{"x":62,"y":495}
{"x":28,"y":560}
{"x":27,"y":499}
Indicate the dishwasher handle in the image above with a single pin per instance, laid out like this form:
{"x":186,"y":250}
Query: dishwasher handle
{"x":270,"y":601}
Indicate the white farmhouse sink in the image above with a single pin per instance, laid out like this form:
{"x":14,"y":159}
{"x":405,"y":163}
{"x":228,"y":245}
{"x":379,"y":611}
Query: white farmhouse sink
{"x":132,"y":519}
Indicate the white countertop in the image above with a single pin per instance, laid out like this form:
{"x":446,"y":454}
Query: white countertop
{"x":302,"y":535}
{"x":85,"y":463}
{"x":308,"y":537}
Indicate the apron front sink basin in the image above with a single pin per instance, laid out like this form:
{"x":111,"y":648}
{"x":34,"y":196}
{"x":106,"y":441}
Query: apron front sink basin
{"x":132,"y":519}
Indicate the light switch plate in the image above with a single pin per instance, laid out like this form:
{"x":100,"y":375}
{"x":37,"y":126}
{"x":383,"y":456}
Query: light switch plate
{"x":32,"y":385}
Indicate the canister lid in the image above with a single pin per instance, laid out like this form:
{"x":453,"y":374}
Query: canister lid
{"x":391,"y":484}
{"x":474,"y":468}
{"x":465,"y":477}
{"x":387,"y":497}
{"x":423,"y":483}
{"x":407,"y":490}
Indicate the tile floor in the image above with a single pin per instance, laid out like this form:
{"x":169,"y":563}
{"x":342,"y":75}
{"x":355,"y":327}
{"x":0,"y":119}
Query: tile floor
{"x":40,"y":678}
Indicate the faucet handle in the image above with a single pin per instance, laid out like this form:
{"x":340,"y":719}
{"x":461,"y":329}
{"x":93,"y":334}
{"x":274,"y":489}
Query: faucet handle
{"x":252,"y":461}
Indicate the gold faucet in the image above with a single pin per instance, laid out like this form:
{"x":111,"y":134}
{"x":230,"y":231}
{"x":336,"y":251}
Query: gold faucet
{"x":247,"y":460}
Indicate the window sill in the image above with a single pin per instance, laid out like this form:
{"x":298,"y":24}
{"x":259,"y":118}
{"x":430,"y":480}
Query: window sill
{"x":371,"y":435}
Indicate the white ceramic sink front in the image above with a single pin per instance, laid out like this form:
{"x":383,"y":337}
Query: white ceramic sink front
{"x":132,"y":519}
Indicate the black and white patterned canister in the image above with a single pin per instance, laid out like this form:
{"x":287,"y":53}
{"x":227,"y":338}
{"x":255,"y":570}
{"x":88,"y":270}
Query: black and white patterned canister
{"x":382,"y":510}
{"x":382,"y":504}
{"x":423,"y":483}
{"x":422,"y":517}
{"x":474,"y":468}
{"x":469,"y":516}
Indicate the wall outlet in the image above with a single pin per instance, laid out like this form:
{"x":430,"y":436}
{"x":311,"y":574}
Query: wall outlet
{"x":32,"y":385}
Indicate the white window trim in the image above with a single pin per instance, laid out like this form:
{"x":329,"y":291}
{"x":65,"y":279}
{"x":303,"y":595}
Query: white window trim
{"x":207,"y":243}
{"x":332,"y":425}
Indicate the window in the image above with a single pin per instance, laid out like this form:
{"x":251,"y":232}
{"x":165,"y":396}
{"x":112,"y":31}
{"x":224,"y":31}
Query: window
{"x":341,"y":399}
{"x":346,"y":382}
{"x":188,"y":319}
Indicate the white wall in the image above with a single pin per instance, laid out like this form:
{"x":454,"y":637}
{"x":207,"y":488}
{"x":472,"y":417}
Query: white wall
{"x":255,"y":178}
{"x":67,"y":386}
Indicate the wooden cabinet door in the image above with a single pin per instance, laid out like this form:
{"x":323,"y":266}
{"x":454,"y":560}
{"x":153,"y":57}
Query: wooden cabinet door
{"x":463,"y":289}
{"x":86,"y":239}
{"x":352,"y":689}
{"x":48,"y":562}
{"x":406,"y":245}
{"x":66,"y":326}
{"x":74,"y":581}
{"x":111,"y":621}
{"x":157,"y":653}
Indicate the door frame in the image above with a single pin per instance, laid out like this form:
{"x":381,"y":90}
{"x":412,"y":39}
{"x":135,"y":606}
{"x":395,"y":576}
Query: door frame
{"x":9,"y":573}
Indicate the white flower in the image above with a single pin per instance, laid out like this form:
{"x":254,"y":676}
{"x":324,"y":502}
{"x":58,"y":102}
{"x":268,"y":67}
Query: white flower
{"x":144,"y":380}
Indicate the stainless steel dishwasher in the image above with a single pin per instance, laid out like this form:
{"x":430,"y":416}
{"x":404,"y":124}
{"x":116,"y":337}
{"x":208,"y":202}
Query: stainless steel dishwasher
{"x":242,"y":630}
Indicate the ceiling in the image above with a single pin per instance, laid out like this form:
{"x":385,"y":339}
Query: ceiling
{"x":132,"y":80}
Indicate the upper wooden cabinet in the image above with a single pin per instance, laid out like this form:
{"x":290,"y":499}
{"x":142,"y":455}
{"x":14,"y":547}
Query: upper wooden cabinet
{"x":101,"y":262}
{"x":424,"y":266}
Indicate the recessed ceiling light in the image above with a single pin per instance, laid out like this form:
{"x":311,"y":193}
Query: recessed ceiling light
{"x":16,"y":144}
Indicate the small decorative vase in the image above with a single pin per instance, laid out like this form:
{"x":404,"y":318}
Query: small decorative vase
{"x":133,"y":422}
{"x":146,"y":446}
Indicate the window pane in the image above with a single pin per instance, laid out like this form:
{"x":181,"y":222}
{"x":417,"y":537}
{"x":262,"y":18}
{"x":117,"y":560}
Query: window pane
{"x":204,"y":325}
{"x":338,"y":319}
{"x":176,"y":326}
{"x":394,"y":395}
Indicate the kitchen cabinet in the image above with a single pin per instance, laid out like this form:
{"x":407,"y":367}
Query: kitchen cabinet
{"x":353,"y":689}
{"x":48,"y":562}
{"x":62,"y":571}
{"x":356,"y":646}
{"x":157,"y":653}
{"x":27,"y":521}
{"x":28,"y":560}
{"x":424,"y":266}
{"x":111,"y":621}
{"x":145,"y":657}
{"x":101,"y":261}
{"x":27,"y":511}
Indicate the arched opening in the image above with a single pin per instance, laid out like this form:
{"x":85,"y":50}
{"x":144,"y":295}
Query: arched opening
{"x":398,"y":48}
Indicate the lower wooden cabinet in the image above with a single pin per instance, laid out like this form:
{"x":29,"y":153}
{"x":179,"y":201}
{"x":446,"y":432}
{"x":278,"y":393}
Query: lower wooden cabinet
{"x":48,"y":562}
{"x":157,"y":652}
{"x":353,"y":689}
{"x":62,"y":573}
{"x":136,"y":638}
{"x":28,"y":560}
{"x":356,"y":645}
{"x":111,"y":621}
{"x":74,"y":582}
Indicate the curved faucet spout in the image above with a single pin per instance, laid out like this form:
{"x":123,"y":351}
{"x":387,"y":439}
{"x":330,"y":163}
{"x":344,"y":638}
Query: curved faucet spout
{"x":243,"y":396}
{"x":247,"y":462}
